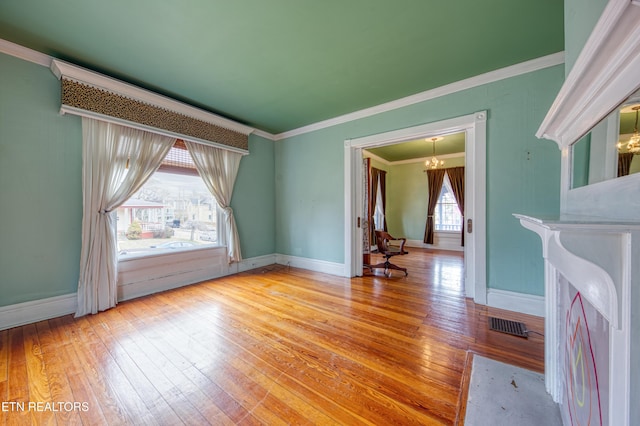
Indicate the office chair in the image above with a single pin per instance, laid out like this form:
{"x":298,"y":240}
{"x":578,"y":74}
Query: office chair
{"x":387,"y":250}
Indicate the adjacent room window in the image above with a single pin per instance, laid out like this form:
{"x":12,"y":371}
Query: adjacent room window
{"x":447,"y":216}
{"x":378,"y":212}
{"x":173,"y":211}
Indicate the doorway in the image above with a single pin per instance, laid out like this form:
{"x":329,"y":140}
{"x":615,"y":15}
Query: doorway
{"x":474,"y":127}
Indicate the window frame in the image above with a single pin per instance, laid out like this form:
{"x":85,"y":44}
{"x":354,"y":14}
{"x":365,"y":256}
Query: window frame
{"x":446,"y":184}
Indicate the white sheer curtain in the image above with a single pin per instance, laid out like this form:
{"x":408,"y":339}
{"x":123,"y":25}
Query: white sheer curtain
{"x":218,"y":169}
{"x":116,"y":162}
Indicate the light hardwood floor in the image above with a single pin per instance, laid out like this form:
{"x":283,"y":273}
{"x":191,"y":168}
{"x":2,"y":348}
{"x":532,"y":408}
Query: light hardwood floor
{"x":270,"y":346}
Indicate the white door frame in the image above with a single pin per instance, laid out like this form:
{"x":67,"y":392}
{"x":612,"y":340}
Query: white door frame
{"x":474,"y":126}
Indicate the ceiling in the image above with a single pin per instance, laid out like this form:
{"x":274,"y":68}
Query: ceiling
{"x":420,"y":148}
{"x":279,"y":65}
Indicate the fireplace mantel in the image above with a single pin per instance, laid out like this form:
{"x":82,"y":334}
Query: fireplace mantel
{"x":595,"y":257}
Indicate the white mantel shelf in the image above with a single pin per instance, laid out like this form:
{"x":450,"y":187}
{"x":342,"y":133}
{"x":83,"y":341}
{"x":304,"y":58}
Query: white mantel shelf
{"x":594,"y":255}
{"x":575,"y":222}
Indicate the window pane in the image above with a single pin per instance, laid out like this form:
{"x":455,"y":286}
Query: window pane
{"x":447,"y":215}
{"x":170,"y":212}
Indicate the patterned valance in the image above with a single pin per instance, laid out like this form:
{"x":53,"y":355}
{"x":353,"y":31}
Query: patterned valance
{"x":106,"y":97}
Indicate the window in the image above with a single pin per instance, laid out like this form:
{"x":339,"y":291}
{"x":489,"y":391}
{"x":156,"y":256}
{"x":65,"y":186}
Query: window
{"x":447,"y":216}
{"x":378,"y":214}
{"x":173,"y":211}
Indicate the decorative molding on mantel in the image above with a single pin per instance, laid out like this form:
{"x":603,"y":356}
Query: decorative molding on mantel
{"x":605,"y":73}
{"x":595,"y":257}
{"x":600,"y":281}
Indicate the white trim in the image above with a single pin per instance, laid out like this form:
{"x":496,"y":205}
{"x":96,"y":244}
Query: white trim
{"x":475,"y":202}
{"x":324,"y":266}
{"x":410,"y":160}
{"x":447,"y":241}
{"x":511,"y":71}
{"x":25,"y":53}
{"x":517,"y":302}
{"x":52,"y":307}
{"x":469,"y":83}
{"x":605,"y":73}
{"x":37,"y":310}
{"x":82,"y":75}
{"x":256,"y":262}
{"x":264,"y":134}
{"x":596,"y":258}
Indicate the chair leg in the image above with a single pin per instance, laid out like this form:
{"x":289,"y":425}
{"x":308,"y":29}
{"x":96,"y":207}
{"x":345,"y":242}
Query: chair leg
{"x":397,"y":268}
{"x":388,"y":265}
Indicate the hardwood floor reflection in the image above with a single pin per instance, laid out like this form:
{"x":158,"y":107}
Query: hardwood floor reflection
{"x":271,"y":346}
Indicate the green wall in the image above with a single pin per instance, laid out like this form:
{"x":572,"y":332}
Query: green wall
{"x":522,"y":175}
{"x":41,"y":188}
{"x":406,"y":209}
{"x":580,"y":16}
{"x":253,"y":202}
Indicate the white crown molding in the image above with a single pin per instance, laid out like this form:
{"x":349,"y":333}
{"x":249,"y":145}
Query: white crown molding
{"x":423,"y":159}
{"x":604,"y":75}
{"x":263,"y":134}
{"x":25,"y":53}
{"x":368,"y":154}
{"x":158,"y":100}
{"x":78,"y":74}
{"x":479,"y":80}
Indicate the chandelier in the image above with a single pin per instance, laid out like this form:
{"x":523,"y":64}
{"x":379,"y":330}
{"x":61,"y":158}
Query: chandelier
{"x":434,"y":163}
{"x":634,"y":143}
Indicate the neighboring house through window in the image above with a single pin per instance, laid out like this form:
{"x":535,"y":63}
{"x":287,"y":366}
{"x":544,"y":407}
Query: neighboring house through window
{"x":172,"y":211}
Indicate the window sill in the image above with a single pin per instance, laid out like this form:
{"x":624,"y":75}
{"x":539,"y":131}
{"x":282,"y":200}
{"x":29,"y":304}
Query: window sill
{"x":168,"y":253}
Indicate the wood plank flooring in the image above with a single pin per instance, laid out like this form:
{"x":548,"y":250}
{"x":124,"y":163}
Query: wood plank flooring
{"x":272,"y":346}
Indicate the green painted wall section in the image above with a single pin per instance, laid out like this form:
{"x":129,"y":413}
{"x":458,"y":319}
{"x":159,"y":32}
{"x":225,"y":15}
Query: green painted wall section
{"x":253,"y":202}
{"x":41,"y":188}
{"x":522,"y":175}
{"x":580,"y":16}
{"x":406,"y":209}
{"x":309,"y":210}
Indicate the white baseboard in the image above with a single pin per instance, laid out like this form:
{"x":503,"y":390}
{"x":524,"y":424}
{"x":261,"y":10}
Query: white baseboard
{"x":44,"y":309}
{"x":331,"y":268}
{"x":442,"y":243}
{"x":256,"y":262}
{"x":37,"y":310}
{"x":517,"y":302}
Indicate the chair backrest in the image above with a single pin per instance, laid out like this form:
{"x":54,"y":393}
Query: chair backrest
{"x":382,"y":241}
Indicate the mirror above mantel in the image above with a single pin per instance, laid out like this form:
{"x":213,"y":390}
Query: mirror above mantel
{"x":602,"y":84}
{"x":610,"y":150}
